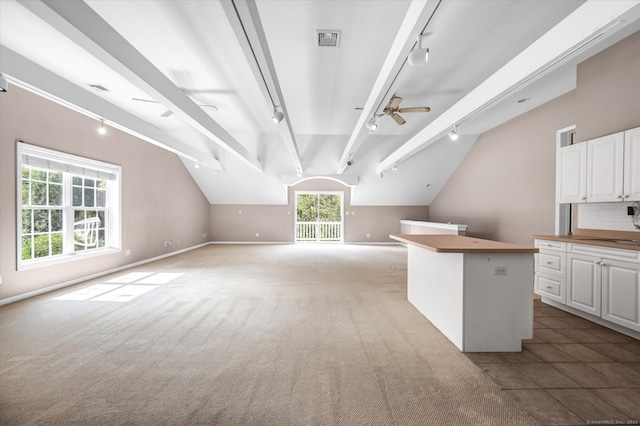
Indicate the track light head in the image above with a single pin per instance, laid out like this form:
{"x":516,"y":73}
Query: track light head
{"x":102,"y":130}
{"x":277,"y":115}
{"x":372,"y":125}
{"x":453,"y":134}
{"x":420,"y":55}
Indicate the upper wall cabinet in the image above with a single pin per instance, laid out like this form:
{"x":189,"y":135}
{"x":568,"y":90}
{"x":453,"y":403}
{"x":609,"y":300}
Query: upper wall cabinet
{"x":605,"y":161}
{"x":632,"y":164}
{"x":606,"y":169}
{"x":571,"y":182}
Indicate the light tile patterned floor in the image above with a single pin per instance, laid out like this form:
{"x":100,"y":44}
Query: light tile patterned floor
{"x":572,"y":372}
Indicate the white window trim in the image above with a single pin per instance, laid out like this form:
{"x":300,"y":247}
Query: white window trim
{"x":115,"y":220}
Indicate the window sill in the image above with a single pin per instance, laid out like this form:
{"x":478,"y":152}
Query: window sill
{"x":63,"y":258}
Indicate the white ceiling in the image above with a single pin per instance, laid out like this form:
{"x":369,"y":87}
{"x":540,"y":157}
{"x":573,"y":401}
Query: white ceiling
{"x":245,"y":56}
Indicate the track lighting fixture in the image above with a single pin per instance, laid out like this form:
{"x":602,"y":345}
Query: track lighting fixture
{"x":277,"y":115}
{"x":420,"y":55}
{"x":371,"y":124}
{"x":395,"y":167}
{"x":453,"y":134}
{"x":102,"y":130}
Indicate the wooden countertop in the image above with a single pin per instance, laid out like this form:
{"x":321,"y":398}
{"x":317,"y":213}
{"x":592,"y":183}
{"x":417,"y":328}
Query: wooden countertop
{"x":461,"y":244}
{"x":589,"y":240}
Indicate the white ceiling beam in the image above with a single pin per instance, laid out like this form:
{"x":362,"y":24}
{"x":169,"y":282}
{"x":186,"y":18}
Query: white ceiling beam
{"x":245,"y":21}
{"x":82,"y":25}
{"x":580,"y":30}
{"x":417,"y":15}
{"x":22,"y":72}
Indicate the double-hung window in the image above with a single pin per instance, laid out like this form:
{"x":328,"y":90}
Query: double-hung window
{"x":68,"y":206}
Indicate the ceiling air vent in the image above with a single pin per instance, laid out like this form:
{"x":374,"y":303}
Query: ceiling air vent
{"x":99,"y":88}
{"x":328,"y":38}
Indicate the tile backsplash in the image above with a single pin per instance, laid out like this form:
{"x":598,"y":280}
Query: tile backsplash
{"x":607,"y":216}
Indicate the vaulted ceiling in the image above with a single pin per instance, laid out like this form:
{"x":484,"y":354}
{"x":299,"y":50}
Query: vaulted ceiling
{"x":161,"y":66}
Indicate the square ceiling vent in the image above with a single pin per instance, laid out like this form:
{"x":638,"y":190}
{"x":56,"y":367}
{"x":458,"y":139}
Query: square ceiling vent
{"x":328,"y":38}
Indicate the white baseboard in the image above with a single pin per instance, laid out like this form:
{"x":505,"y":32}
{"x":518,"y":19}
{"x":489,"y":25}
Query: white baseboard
{"x":54,"y":287}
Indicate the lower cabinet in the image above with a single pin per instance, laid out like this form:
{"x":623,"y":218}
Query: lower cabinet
{"x":621,"y":293}
{"x":601,"y":281}
{"x":584,"y":283}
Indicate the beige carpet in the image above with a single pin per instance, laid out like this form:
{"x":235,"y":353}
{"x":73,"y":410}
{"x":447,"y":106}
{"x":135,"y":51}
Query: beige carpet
{"x":247,"y":335}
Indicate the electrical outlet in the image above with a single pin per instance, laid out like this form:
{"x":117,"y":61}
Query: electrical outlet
{"x":127,"y":252}
{"x":257,"y":234}
{"x":204,"y":235}
{"x":0,"y":279}
{"x":500,"y":270}
{"x":368,"y":235}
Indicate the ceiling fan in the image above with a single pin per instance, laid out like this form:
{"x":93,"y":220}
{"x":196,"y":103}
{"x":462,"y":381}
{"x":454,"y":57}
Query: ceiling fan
{"x":167,"y":113}
{"x":393,"y":108}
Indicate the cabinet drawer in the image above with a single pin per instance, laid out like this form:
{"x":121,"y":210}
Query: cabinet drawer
{"x":551,"y":263}
{"x":551,"y":287}
{"x":550,"y":245}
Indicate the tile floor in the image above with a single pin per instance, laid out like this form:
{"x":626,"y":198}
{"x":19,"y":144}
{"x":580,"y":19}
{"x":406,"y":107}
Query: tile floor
{"x":573,"y":372}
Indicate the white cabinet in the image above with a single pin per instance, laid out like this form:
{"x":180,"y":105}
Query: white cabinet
{"x":550,"y":270}
{"x":605,"y":161}
{"x":632,"y":164}
{"x":621,"y":293}
{"x":601,"y":281}
{"x":601,"y":170}
{"x":571,"y":172}
{"x":585,"y":283}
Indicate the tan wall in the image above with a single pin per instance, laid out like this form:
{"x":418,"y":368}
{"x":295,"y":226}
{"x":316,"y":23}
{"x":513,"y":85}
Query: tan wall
{"x":505,"y":187}
{"x":608,"y":91}
{"x":276,"y":223}
{"x":160,"y":200}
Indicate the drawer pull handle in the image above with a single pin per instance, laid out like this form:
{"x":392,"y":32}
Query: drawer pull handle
{"x":548,"y":286}
{"x":549,"y":262}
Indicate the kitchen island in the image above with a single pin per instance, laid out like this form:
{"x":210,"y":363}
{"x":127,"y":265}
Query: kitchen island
{"x":478,"y":293}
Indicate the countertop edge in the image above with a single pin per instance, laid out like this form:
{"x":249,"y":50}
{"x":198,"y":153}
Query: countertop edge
{"x":507,"y":249}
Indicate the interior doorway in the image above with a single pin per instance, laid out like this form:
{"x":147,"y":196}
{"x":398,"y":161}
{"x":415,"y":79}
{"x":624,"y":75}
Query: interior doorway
{"x":319,"y":216}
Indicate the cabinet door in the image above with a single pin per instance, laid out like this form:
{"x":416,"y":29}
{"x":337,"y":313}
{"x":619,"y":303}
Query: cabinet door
{"x":584,"y":283}
{"x":632,"y":165}
{"x":605,"y":168}
{"x":621,"y":293}
{"x":571,"y":172}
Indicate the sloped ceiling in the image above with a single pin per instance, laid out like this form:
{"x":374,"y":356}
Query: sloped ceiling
{"x":245,"y":57}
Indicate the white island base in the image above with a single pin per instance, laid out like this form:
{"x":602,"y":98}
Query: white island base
{"x":481,"y":301}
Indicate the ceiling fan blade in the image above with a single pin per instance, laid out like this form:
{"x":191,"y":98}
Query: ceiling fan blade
{"x":209,"y":108}
{"x":167,"y":113}
{"x":360,"y":108}
{"x":415,"y":109}
{"x":398,"y":119}
{"x":394,"y":103}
